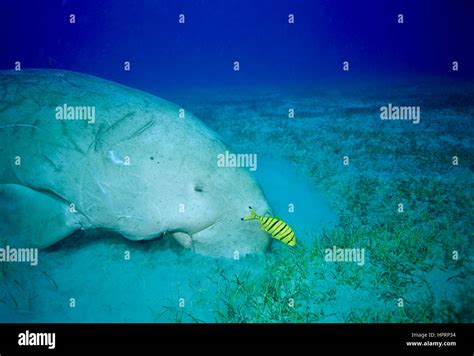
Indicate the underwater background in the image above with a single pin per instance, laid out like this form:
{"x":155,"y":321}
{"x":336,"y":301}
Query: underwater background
{"x":343,"y":168}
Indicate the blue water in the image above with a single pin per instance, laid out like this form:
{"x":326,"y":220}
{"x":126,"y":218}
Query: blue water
{"x":201,"y":52}
{"x":282,"y":66}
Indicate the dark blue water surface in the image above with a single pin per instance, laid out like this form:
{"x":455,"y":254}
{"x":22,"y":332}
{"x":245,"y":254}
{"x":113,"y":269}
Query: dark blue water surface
{"x":165,"y":54}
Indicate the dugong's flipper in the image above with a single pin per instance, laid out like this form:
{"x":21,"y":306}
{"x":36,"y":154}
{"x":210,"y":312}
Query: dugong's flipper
{"x":31,"y":218}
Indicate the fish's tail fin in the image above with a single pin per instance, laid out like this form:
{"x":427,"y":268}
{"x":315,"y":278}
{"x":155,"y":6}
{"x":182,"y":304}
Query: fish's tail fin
{"x":253,"y":215}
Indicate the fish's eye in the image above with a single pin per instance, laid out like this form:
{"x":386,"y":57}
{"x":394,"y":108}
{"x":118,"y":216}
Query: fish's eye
{"x":198,"y":188}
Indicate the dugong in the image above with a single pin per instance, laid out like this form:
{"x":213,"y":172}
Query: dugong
{"x":80,"y":152}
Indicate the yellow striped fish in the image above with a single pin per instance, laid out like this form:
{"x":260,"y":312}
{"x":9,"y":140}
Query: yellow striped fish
{"x":279,"y":229}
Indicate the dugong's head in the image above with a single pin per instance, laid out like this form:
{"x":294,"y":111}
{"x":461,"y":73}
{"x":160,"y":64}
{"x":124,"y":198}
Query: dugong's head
{"x":184,"y":191}
{"x":210,"y":222}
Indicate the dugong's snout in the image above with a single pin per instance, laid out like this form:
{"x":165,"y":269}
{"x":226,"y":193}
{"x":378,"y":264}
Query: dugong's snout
{"x":231,"y":237}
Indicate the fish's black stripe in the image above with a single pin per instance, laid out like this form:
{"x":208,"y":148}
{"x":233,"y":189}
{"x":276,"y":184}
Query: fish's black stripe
{"x":291,"y":239}
{"x":281,"y":229}
{"x":288,"y":234}
{"x":287,"y":238}
{"x":277,"y":232}
{"x":276,"y":227}
{"x":273,"y":224}
{"x":263,"y":220}
{"x":285,"y":231}
{"x":267,"y":224}
{"x":263,"y":223}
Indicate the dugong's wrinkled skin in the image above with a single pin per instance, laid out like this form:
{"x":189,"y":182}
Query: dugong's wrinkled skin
{"x":140,"y":169}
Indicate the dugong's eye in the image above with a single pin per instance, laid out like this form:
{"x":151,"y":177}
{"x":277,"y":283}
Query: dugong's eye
{"x":198,"y":188}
